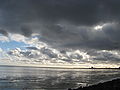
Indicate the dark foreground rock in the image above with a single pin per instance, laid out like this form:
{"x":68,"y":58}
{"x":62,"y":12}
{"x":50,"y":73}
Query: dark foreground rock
{"x":110,"y":85}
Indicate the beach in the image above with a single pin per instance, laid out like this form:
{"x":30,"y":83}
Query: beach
{"x":109,"y":85}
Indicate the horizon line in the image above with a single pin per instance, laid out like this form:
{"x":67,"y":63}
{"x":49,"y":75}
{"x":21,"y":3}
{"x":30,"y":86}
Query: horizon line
{"x":55,"y":67}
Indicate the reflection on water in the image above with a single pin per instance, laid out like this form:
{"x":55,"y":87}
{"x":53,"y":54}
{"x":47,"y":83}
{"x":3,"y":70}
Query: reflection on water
{"x":26,"y":78}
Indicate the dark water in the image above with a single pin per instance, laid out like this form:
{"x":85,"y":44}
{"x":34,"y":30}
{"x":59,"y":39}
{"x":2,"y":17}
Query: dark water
{"x":26,"y":78}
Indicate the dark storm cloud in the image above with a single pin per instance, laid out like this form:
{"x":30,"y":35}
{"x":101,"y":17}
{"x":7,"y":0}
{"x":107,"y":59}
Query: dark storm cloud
{"x":32,"y":48}
{"x":3,"y":32}
{"x":67,"y":23}
{"x":26,"y":31}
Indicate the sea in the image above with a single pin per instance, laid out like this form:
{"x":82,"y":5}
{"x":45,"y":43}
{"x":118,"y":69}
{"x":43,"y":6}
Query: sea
{"x":33,"y":78}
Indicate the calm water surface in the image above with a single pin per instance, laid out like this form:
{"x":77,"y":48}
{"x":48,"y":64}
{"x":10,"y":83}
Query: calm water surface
{"x":26,"y":78}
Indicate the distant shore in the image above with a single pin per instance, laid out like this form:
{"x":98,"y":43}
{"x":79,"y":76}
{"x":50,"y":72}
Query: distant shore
{"x":109,"y":85}
{"x":56,"y":67}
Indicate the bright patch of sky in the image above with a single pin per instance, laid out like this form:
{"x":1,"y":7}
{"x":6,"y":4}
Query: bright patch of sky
{"x":12,"y":45}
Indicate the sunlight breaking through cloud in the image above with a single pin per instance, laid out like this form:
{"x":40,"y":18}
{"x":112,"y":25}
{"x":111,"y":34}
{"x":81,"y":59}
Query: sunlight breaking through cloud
{"x":81,"y":33}
{"x":40,"y":53}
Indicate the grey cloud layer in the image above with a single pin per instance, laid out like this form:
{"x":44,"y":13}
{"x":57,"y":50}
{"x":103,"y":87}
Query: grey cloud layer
{"x":67,"y":23}
{"x":47,"y":55}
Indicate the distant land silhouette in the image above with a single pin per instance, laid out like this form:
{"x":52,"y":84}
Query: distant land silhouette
{"x":56,"y":67}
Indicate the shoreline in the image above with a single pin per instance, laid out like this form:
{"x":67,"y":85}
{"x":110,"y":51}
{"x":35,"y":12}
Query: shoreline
{"x":108,"y":85}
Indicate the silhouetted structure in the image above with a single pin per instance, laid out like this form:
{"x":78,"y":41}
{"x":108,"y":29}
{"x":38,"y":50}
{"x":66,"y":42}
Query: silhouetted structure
{"x":91,"y":68}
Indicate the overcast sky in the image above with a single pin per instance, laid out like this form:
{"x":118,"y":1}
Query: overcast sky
{"x":61,"y":31}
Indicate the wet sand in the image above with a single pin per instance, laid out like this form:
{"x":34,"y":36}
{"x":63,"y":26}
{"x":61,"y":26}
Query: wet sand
{"x":110,"y":85}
